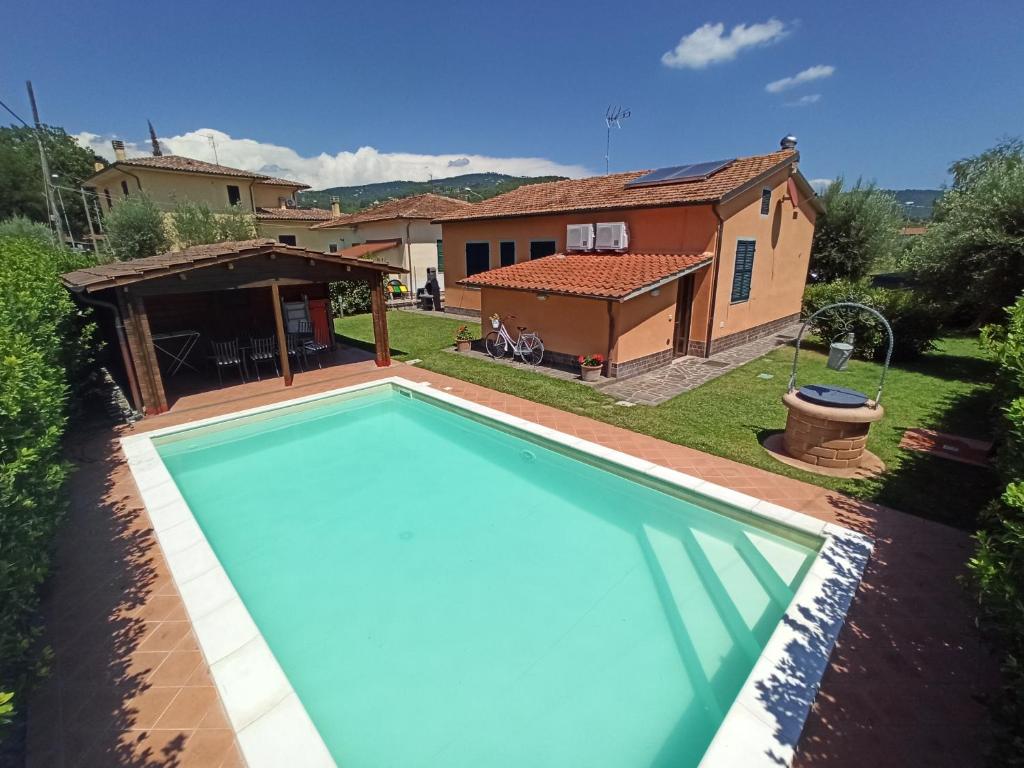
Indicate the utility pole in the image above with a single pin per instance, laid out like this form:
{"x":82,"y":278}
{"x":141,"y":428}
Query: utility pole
{"x":51,"y":205}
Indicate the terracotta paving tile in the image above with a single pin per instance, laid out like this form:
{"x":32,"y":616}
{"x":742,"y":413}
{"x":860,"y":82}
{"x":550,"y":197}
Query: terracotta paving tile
{"x":164,"y":635}
{"x":189,"y":708}
{"x":176,"y":668}
{"x":130,"y":687}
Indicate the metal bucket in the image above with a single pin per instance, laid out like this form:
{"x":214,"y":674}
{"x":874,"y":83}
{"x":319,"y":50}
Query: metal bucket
{"x":839,"y":354}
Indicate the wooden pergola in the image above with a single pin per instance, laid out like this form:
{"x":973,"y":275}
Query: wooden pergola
{"x":126,"y":288}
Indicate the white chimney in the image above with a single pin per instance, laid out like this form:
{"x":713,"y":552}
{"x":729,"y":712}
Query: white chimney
{"x":119,"y":153}
{"x":335,"y":207}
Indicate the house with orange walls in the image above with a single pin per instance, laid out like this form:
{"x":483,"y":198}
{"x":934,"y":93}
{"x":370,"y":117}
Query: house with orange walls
{"x":641,"y":267}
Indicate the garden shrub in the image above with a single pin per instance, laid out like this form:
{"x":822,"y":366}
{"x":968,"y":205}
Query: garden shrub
{"x":351,"y":297}
{"x":915,"y":321}
{"x":997,"y":568}
{"x":46,"y":346}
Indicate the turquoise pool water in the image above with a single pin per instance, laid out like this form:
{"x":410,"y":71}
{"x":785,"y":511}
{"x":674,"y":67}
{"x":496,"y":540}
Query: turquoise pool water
{"x":441,"y":592}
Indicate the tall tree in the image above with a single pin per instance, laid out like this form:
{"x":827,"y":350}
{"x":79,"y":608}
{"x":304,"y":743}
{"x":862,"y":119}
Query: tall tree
{"x":860,"y":228}
{"x":972,"y":256}
{"x":21,"y":181}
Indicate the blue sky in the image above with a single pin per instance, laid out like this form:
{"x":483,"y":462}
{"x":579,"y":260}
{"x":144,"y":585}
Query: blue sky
{"x":447,"y":87}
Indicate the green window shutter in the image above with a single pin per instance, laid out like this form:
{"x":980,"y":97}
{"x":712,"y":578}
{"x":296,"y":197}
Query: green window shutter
{"x":744,"y":269}
{"x":440,"y":256}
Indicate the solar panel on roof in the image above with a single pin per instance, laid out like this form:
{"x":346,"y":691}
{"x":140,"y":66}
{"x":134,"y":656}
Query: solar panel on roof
{"x":678,"y":174}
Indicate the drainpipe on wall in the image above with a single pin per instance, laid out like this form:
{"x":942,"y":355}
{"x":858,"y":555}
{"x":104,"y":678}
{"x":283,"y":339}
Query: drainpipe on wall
{"x":122,"y":343}
{"x":611,"y":337}
{"x":714,"y":278}
{"x":408,"y":251}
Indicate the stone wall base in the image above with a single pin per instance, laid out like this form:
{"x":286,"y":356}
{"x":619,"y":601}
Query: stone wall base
{"x":751,"y":334}
{"x":640,"y":365}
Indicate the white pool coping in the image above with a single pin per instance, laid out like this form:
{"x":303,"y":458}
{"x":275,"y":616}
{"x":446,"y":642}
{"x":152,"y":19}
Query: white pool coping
{"x":761,"y":728}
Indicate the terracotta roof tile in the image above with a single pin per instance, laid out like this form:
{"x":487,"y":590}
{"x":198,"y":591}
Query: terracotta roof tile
{"x":601,"y":192}
{"x":190,"y":165}
{"x":426,"y":206}
{"x":293,"y":214}
{"x":603,"y":275}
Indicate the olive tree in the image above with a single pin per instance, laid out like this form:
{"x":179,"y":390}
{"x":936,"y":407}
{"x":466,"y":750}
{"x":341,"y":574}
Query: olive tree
{"x":135,"y":228}
{"x":972,"y":256}
{"x":859,"y":229}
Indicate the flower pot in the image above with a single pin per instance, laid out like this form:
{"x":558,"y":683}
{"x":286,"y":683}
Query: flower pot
{"x":463,"y":346}
{"x":590,"y":372}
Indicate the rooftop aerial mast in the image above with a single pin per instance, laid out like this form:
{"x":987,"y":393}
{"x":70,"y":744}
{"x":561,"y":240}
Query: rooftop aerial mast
{"x":613,"y":118}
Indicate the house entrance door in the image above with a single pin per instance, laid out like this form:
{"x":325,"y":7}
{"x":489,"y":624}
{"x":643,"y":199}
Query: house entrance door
{"x":681,"y":340}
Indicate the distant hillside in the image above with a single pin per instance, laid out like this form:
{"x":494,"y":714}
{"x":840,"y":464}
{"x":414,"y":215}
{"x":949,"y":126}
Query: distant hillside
{"x":917,"y":203}
{"x":480,"y":186}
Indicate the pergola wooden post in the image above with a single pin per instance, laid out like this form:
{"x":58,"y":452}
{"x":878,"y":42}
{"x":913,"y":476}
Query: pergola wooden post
{"x":140,"y":344}
{"x":282,"y":339}
{"x":379,"y":311}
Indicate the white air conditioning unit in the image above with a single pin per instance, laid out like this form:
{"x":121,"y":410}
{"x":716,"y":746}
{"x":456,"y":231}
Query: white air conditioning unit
{"x":579,"y":237}
{"x":612,"y":236}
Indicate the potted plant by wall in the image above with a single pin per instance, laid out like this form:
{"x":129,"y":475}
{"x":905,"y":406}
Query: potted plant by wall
{"x":463,"y":338}
{"x":590,"y":366}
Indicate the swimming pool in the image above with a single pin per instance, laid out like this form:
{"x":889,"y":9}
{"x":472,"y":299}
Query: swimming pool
{"x":415,"y":581}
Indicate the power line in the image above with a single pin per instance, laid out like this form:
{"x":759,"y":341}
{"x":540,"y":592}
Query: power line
{"x":15,"y":114}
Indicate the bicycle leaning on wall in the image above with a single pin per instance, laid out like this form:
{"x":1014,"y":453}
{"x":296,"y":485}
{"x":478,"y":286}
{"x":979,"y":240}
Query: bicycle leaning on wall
{"x":499,"y":342}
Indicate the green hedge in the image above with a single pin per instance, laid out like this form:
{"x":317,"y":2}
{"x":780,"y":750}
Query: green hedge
{"x":997,"y":568}
{"x":46,"y":346}
{"x":915,"y":321}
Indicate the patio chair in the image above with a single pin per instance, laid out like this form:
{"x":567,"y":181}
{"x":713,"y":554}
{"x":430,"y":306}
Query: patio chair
{"x":295,"y":346}
{"x":318,"y":345}
{"x":226,"y":353}
{"x":263,"y":350}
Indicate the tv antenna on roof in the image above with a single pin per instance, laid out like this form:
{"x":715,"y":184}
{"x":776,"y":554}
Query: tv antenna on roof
{"x":612,"y":119}
{"x":213,"y":143}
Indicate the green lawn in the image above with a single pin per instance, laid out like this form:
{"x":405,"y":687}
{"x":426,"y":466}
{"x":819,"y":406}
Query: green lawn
{"x":948,"y":389}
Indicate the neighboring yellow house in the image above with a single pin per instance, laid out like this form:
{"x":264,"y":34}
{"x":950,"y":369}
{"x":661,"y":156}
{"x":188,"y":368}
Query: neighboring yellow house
{"x":408,"y":221}
{"x":170,"y":179}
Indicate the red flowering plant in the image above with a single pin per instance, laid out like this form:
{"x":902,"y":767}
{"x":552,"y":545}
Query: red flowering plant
{"x":591,"y":361}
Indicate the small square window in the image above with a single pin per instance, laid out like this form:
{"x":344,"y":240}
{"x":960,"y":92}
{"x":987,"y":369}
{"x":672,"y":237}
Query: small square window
{"x":286,"y":239}
{"x":478,"y":258}
{"x":234,"y":195}
{"x":542,"y":248}
{"x":508,"y":252}
{"x":333,"y":247}
{"x":766,"y":201}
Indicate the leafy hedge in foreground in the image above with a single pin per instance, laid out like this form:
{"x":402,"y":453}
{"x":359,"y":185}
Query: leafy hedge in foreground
{"x":997,"y":567}
{"x":46,"y":346}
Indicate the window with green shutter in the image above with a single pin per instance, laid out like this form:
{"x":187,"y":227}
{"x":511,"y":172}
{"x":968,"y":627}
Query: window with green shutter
{"x":440,"y":256}
{"x":744,"y":269}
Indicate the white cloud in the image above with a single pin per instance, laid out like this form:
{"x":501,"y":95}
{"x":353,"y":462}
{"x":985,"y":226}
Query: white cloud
{"x":709,"y":45}
{"x":806,"y":76}
{"x":805,"y":101}
{"x":820,"y":185}
{"x":363,"y":166}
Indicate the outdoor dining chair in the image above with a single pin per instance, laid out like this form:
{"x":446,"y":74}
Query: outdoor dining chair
{"x":226,"y":353}
{"x":318,"y":345}
{"x":296,"y":348}
{"x":263,"y":350}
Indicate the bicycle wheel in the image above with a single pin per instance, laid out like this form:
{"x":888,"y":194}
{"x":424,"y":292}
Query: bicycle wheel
{"x":495,"y":345}
{"x":533,"y":350}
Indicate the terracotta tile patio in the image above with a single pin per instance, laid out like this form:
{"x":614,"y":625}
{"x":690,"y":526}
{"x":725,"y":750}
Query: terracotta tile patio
{"x":129,"y":687}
